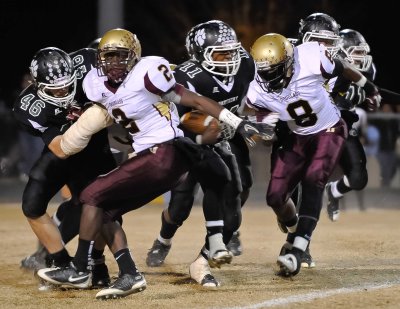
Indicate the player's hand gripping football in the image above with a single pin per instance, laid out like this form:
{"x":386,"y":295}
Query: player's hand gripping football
{"x":249,"y":129}
{"x":211,"y":134}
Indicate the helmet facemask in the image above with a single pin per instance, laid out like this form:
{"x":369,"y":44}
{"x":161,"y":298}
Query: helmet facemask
{"x":358,"y":56}
{"x":355,"y":49}
{"x":61,"y":93}
{"x":322,"y":28}
{"x":273,"y":55}
{"x":326,"y":37}
{"x":223,"y":68}
{"x":205,"y":40}
{"x":273,"y":78}
{"x":118,"y":52}
{"x":116,"y":63}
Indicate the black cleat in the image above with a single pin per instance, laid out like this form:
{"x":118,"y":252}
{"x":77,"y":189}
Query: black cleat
{"x":307,"y":260}
{"x":157,"y":254}
{"x":290,"y":263}
{"x":35,"y":261}
{"x":125,"y":285}
{"x":234,"y":245}
{"x":68,"y":276}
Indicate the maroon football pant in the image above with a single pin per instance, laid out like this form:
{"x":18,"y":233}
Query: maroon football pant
{"x":137,"y":181}
{"x":309,"y":159}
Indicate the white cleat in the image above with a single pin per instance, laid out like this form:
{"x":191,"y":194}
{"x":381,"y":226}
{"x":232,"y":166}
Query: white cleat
{"x":219,"y":258}
{"x":199,"y":271}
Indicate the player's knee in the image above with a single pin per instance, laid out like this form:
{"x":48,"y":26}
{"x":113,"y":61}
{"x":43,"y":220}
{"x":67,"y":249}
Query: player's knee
{"x":179,"y":215}
{"x":32,"y":210}
{"x":33,"y":205}
{"x":275,"y":199}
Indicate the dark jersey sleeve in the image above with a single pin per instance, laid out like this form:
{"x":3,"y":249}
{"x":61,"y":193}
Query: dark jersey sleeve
{"x":38,"y":117}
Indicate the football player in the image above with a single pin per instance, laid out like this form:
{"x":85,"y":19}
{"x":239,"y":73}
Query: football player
{"x":347,"y":95}
{"x":135,"y":92}
{"x":290,"y":82}
{"x":46,"y":109}
{"x":323,"y":28}
{"x":221,"y":69}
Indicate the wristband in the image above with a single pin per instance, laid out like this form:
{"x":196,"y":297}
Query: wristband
{"x":199,"y":139}
{"x":229,"y":118}
{"x":361,"y":82}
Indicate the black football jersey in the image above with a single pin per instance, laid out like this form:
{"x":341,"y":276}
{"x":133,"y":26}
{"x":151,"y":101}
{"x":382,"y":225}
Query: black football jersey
{"x":84,"y":60}
{"x":230,"y":94}
{"x":43,"y":119}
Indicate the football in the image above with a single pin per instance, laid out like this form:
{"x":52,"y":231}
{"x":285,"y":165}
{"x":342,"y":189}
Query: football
{"x":197,"y":121}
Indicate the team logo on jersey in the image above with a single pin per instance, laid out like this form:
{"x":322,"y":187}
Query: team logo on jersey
{"x":57,"y":111}
{"x":215,"y":89}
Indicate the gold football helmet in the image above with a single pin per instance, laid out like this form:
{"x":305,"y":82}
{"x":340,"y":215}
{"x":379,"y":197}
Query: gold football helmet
{"x":118,"y":52}
{"x":273,"y":54}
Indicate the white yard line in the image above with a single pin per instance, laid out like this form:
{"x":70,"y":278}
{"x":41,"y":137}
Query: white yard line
{"x":317,"y":295}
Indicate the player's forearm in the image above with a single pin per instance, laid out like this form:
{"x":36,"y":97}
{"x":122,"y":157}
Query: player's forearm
{"x":55,"y":147}
{"x":79,"y":134}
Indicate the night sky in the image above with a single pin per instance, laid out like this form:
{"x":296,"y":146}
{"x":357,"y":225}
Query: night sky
{"x":161,"y":25}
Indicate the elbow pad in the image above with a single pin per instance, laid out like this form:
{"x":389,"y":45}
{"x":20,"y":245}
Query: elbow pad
{"x":78,"y":135}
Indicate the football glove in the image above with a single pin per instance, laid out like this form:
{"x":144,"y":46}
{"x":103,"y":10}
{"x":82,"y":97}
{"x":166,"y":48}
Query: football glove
{"x":249,"y":129}
{"x":373,"y":98}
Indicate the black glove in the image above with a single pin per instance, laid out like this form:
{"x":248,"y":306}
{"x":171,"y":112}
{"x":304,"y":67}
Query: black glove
{"x":249,"y":129}
{"x":74,"y":112}
{"x":373,"y":98}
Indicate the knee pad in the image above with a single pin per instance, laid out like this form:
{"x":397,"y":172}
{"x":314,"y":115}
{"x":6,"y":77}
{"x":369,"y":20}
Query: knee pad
{"x":34,"y":201}
{"x":358,"y":179}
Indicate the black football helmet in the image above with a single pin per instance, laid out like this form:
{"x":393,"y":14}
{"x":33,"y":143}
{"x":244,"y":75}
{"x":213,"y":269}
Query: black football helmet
{"x":54,"y":75}
{"x":273,"y":55}
{"x":356,"y":49}
{"x":214,"y":36}
{"x":322,"y":28}
{"x":118,"y":52}
{"x":190,"y":42}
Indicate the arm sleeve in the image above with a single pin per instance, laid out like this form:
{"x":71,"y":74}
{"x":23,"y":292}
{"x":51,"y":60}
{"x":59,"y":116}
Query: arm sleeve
{"x":78,"y":135}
